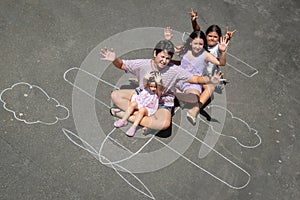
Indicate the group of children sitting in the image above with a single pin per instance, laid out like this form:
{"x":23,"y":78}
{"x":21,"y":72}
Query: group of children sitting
{"x":200,"y":56}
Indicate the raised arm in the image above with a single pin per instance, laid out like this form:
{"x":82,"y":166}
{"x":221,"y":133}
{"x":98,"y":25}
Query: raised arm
{"x":214,"y":79}
{"x":168,"y":33}
{"x":229,"y":34}
{"x":177,"y":49}
{"x":194,"y":16}
{"x":221,"y":61}
{"x":110,"y":55}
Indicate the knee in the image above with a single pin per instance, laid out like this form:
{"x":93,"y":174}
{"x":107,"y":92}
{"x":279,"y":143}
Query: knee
{"x":209,"y":88}
{"x":114,"y":95}
{"x":165,"y":124}
{"x":142,"y":110}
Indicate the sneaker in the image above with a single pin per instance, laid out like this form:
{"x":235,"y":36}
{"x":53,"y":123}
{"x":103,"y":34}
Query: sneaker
{"x":120,"y":123}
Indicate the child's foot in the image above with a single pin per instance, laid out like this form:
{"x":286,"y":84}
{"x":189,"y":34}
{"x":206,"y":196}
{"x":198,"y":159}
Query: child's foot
{"x":120,"y":123}
{"x":144,"y":130}
{"x":192,"y":119}
{"x":131,"y":131}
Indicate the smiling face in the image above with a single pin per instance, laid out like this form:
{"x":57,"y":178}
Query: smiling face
{"x":212,"y":38}
{"x":197,"y":45}
{"x":162,"y":59}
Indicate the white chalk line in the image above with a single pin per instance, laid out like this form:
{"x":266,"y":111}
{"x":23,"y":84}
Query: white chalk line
{"x":231,"y":186}
{"x":95,"y":153}
{"x":236,"y":139}
{"x":218,"y":153}
{"x":79,"y":69}
{"x":238,"y":59}
{"x":230,"y":136}
{"x":132,"y":154}
{"x":48,"y":98}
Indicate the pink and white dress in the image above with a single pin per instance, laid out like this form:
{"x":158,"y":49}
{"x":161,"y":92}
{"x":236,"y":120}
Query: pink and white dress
{"x":146,"y":99}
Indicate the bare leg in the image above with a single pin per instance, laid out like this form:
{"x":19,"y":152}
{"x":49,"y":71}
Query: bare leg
{"x":142,"y":112}
{"x":132,"y":106}
{"x":195,"y":109}
{"x":159,"y":121}
{"x":121,"y":98}
{"x":206,"y":94}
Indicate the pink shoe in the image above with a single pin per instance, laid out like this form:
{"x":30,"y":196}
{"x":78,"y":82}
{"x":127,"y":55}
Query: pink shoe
{"x":120,"y":123}
{"x":131,"y":132}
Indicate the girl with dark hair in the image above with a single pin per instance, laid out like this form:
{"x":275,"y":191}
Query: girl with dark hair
{"x":194,"y":59}
{"x":170,"y":73}
{"x":213,"y":35}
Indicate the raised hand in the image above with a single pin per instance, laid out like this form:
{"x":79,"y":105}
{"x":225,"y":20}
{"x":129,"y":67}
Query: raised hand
{"x":229,"y":34}
{"x":217,"y":77}
{"x":108,"y":55}
{"x":194,"y":14}
{"x":223,"y":44}
{"x":168,"y":33}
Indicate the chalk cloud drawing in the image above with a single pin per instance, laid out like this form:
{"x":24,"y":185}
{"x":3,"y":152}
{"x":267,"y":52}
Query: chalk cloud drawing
{"x":247,"y":137}
{"x":31,"y":104}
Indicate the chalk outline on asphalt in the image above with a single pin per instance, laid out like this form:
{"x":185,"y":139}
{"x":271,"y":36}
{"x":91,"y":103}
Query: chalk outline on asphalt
{"x":255,"y":132}
{"x":231,"y":186}
{"x":32,"y":86}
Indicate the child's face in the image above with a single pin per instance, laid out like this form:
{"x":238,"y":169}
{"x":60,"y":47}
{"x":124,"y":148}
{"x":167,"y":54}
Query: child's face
{"x":197,"y":45}
{"x":152,"y":86}
{"x":212,"y":39}
{"x":162,"y":59}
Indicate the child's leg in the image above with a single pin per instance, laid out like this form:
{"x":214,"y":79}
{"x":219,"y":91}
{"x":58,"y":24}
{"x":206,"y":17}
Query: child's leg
{"x":206,"y":94}
{"x":141,"y":113}
{"x":129,"y":111}
{"x":138,"y":118}
{"x":132,"y":106}
{"x":195,"y":109}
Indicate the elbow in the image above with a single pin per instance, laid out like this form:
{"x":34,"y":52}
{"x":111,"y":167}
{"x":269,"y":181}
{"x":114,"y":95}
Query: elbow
{"x":222,"y":63}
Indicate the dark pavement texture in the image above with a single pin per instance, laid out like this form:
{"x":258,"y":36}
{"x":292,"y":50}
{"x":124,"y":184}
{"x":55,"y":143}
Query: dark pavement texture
{"x":40,"y":40}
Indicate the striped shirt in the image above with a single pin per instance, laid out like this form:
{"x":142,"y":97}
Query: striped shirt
{"x":171,"y":74}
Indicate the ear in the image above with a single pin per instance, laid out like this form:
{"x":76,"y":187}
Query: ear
{"x":154,"y":53}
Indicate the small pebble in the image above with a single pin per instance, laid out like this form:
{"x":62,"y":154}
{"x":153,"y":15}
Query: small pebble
{"x":275,"y":118}
{"x":25,"y":95}
{"x":249,"y":193}
{"x":279,"y":161}
{"x":21,"y":114}
{"x":277,"y":141}
{"x":279,"y":114}
{"x":269,"y":174}
{"x":277,"y":131}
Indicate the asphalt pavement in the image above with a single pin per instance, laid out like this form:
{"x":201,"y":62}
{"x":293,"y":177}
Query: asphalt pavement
{"x":56,"y":134}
